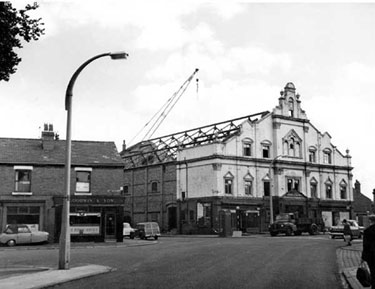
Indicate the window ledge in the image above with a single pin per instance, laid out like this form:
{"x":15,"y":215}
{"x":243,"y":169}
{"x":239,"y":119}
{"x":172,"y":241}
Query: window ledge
{"x":82,"y":194}
{"x":22,"y":193}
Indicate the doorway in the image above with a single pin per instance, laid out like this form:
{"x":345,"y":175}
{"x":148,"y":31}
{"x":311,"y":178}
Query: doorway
{"x":110,"y":225}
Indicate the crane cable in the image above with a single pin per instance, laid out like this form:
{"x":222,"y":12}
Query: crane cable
{"x":166,"y":108}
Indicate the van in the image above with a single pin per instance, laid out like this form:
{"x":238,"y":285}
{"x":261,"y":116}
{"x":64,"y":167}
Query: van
{"x":147,"y":230}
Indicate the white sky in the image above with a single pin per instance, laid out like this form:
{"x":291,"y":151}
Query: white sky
{"x":245,"y":53}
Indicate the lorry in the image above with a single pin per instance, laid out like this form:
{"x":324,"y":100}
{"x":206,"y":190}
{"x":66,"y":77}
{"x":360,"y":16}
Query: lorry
{"x":291,"y":223}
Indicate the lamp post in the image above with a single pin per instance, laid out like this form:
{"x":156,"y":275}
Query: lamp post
{"x":271,"y":186}
{"x":64,"y":253}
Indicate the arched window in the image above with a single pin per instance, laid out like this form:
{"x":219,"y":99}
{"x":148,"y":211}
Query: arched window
{"x":343,"y":190}
{"x":312,"y":154}
{"x":313,"y":188}
{"x":154,"y":187}
{"x":228,"y":183}
{"x":328,"y":185}
{"x":292,"y":144}
{"x":247,"y":147}
{"x":248,"y":184}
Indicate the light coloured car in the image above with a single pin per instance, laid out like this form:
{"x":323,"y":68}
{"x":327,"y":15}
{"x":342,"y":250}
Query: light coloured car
{"x":338,"y":230}
{"x":21,"y":234}
{"x":147,"y":230}
{"x":128,"y":231}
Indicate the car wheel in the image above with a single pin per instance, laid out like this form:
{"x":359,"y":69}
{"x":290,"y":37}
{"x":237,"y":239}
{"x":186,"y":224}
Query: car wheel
{"x":288,"y":232}
{"x":155,"y":237}
{"x":273,"y":234}
{"x":131,"y":236}
{"x":332,"y":237}
{"x":11,"y":243}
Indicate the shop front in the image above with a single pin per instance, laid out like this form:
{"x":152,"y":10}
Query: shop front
{"x":92,"y":218}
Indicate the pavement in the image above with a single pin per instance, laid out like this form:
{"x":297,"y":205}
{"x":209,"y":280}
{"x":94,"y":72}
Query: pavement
{"x":348,"y":258}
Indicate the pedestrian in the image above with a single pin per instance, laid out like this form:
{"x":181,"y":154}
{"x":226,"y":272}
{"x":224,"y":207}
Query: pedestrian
{"x":368,"y":253}
{"x":347,"y":232}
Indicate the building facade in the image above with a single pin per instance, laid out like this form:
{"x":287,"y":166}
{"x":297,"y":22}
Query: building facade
{"x":32,"y":173}
{"x":270,"y":161}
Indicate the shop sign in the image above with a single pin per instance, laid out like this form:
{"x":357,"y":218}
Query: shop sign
{"x":96,"y":200}
{"x":84,"y":230}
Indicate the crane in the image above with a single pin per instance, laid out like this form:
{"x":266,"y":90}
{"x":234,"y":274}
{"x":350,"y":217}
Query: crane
{"x":158,"y":118}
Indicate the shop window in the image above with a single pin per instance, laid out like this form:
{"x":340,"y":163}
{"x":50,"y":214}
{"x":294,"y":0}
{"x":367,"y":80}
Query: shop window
{"x":23,"y":215}
{"x":23,"y":181}
{"x":204,"y":214}
{"x":83,"y":182}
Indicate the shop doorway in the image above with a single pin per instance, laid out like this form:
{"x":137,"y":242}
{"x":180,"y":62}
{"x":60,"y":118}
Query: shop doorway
{"x":110,"y":225}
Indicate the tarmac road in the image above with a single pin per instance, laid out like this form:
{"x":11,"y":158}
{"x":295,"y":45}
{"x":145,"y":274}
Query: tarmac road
{"x":251,"y":262}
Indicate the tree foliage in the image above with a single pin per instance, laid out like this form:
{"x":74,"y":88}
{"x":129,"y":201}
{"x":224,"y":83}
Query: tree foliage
{"x":15,"y":26}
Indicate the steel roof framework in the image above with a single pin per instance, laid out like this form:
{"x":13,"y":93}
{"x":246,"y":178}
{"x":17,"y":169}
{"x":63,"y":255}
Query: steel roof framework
{"x":165,"y":148}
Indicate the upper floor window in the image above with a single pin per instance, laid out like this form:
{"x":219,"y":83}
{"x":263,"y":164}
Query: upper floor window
{"x":343,"y":190}
{"x":23,"y":180}
{"x":266,"y":149}
{"x":247,"y":147}
{"x":313,"y":188}
{"x":154,"y":187}
{"x":292,"y":144}
{"x":293,"y":184}
{"x":266,"y":188}
{"x":125,"y":189}
{"x":248,"y":187}
{"x":83,"y":180}
{"x":328,"y":185}
{"x":327,"y":156}
{"x":312,"y":154}
{"x":228,"y":186}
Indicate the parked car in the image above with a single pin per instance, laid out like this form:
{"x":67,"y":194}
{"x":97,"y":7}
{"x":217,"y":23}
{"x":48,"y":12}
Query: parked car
{"x":21,"y":234}
{"x":147,"y":230}
{"x":337,"y":231}
{"x":128,"y":231}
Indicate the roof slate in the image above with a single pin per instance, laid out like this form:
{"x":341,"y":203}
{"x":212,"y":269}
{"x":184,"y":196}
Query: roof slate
{"x":30,"y":151}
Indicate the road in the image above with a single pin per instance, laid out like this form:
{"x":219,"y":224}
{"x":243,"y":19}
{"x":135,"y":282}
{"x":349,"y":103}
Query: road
{"x":249,"y":262}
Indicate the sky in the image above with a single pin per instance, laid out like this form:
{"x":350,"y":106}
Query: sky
{"x":246,"y":52}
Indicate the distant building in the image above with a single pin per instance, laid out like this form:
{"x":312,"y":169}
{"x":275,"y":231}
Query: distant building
{"x":32,"y":173}
{"x":236,"y":165}
{"x":362,"y":205}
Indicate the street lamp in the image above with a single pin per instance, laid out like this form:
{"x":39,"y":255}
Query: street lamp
{"x":64,"y":253}
{"x":271,"y":186}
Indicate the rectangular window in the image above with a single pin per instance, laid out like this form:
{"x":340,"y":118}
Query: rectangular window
{"x":248,"y":188}
{"x":266,"y":188}
{"x":125,"y":189}
{"x":247,"y":149}
{"x":312,"y":157}
{"x":293,"y":184}
{"x":328,"y":191}
{"x":83,"y":181}
{"x":266,"y":151}
{"x":228,"y":187}
{"x":23,"y":181}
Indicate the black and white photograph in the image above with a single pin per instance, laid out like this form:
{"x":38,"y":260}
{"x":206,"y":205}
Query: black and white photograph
{"x":187,"y":144}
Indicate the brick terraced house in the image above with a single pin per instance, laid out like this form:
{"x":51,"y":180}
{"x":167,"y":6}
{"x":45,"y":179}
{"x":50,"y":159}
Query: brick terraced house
{"x":32,"y":186}
{"x":242,"y":167}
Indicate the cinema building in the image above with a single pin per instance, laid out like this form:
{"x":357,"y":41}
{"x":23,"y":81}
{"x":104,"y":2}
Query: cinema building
{"x":243,"y":167}
{"x":32,"y":173}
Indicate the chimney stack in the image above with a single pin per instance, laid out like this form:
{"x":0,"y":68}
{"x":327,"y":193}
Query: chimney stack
{"x":48,"y":137}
